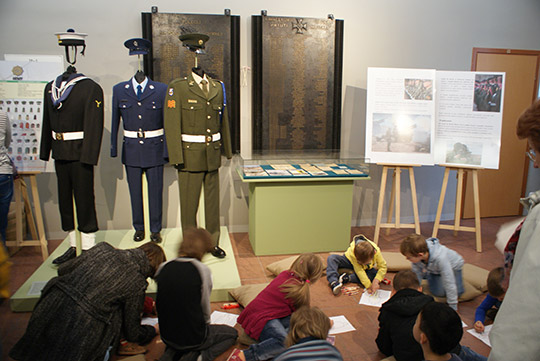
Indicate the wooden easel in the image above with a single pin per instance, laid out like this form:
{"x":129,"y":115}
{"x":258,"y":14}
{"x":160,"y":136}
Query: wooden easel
{"x":457,"y":215}
{"x":21,"y":195}
{"x":396,"y":194}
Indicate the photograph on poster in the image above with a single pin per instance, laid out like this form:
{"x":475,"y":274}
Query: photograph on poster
{"x":402,"y":133}
{"x":487,"y":92}
{"x":419,"y":89}
{"x":464,"y":153}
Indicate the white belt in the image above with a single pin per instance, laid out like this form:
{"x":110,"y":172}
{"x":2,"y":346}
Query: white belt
{"x":67,"y":135}
{"x":201,"y":138}
{"x":143,"y":133}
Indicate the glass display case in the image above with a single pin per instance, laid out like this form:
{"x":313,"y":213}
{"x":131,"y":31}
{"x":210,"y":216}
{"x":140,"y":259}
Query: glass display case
{"x":304,"y":164}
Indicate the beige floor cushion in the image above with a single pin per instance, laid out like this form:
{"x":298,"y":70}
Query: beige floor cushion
{"x":245,"y":294}
{"x":476,"y":276}
{"x":470,"y":293}
{"x":395,"y":261}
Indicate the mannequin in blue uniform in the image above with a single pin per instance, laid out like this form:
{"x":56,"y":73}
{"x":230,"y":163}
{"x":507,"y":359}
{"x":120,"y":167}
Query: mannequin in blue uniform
{"x":139,"y":102}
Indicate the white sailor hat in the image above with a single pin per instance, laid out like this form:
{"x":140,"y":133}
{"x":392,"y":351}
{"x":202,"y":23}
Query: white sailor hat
{"x":70,"y":38}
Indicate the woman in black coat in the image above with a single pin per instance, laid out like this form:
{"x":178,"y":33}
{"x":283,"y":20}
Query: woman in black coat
{"x":95,"y":297}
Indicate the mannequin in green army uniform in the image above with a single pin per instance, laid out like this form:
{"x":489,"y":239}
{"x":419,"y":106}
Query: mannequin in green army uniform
{"x":196,"y":126}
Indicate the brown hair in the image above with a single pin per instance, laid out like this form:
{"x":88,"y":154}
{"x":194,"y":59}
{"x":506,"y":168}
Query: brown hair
{"x":196,"y":243}
{"x":494,"y":280}
{"x":406,"y":279}
{"x":155,"y":255}
{"x":413,"y":245}
{"x":528,"y":125}
{"x":364,"y":252}
{"x":307,"y":321}
{"x":308,"y":267}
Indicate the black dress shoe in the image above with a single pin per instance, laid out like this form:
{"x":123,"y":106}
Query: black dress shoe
{"x":69,"y":254}
{"x":138,"y":236}
{"x":218,"y":252}
{"x":155,"y":237}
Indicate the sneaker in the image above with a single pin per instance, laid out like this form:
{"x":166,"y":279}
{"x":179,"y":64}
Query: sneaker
{"x":344,"y":278}
{"x":336,"y":287}
{"x":235,"y":355}
{"x":130,"y":349}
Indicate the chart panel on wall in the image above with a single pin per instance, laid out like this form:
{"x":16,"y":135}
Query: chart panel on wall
{"x":21,"y":96}
{"x":297,"y":68}
{"x":170,"y":60}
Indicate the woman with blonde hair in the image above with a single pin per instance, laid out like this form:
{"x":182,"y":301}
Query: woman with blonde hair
{"x":267,"y":317}
{"x":307,"y":337}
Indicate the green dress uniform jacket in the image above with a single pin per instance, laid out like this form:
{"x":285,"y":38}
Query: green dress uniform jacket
{"x":188,"y":111}
{"x":196,"y":129}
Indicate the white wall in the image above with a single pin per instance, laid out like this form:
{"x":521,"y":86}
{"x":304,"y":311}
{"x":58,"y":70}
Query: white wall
{"x":386,"y":33}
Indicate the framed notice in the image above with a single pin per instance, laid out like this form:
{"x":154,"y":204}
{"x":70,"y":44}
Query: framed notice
{"x":297,"y":68}
{"x":169,"y":60}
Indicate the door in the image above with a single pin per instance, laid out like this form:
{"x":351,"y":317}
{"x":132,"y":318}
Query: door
{"x":500,"y":189}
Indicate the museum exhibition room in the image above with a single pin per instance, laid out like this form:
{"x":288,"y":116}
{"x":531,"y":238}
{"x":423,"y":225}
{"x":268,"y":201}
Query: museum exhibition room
{"x":353,"y":180}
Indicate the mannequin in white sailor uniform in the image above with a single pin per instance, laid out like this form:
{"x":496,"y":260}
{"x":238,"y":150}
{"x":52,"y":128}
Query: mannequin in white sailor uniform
{"x":72,"y":129}
{"x":139,"y":102}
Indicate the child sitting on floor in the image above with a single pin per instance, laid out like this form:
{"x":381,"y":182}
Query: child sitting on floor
{"x":267,"y":317}
{"x":307,"y":337}
{"x":397,"y":317}
{"x":365,"y":258}
{"x":440,"y":265}
{"x":438,"y":330}
{"x":492,"y":302}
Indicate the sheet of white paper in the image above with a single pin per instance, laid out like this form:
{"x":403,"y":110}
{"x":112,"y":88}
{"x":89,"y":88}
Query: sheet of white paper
{"x":463,"y":324}
{"x":223,"y":318}
{"x":484,"y":336}
{"x":150,"y":321}
{"x":376,"y":299}
{"x":35,"y":289}
{"x":341,"y":325}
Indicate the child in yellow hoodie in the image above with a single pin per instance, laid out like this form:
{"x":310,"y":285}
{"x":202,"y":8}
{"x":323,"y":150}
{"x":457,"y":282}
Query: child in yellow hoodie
{"x":365,"y":258}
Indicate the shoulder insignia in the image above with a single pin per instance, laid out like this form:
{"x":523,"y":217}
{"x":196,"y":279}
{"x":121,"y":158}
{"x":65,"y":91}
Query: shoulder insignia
{"x":127,"y":86}
{"x":151,"y":86}
{"x":171,"y":91}
{"x":171,"y":103}
{"x":98,"y":103}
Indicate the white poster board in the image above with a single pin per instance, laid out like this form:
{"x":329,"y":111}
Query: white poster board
{"x":469,"y":118}
{"x":400,"y":120}
{"x":21,"y":96}
{"x":427,"y":117}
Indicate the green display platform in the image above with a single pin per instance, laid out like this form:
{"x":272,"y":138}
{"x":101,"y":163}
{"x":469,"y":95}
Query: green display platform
{"x":303,"y":215}
{"x":224,"y":271}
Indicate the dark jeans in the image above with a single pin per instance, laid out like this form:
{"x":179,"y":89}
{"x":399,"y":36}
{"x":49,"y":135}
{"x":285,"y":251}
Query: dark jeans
{"x":272,"y":340}
{"x":218,"y":340}
{"x":335,"y":261}
{"x":6,"y":193}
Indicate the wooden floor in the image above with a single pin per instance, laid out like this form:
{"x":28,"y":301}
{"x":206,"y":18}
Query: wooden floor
{"x":357,"y":345}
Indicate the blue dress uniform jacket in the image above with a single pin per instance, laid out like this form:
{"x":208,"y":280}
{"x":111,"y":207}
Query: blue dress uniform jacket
{"x":200,"y":119}
{"x":139,"y":115}
{"x":142,"y":153}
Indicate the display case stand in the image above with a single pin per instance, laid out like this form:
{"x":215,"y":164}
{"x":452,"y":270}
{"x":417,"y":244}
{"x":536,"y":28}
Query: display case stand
{"x":396,"y":196}
{"x":33,"y":219}
{"x":459,"y":205}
